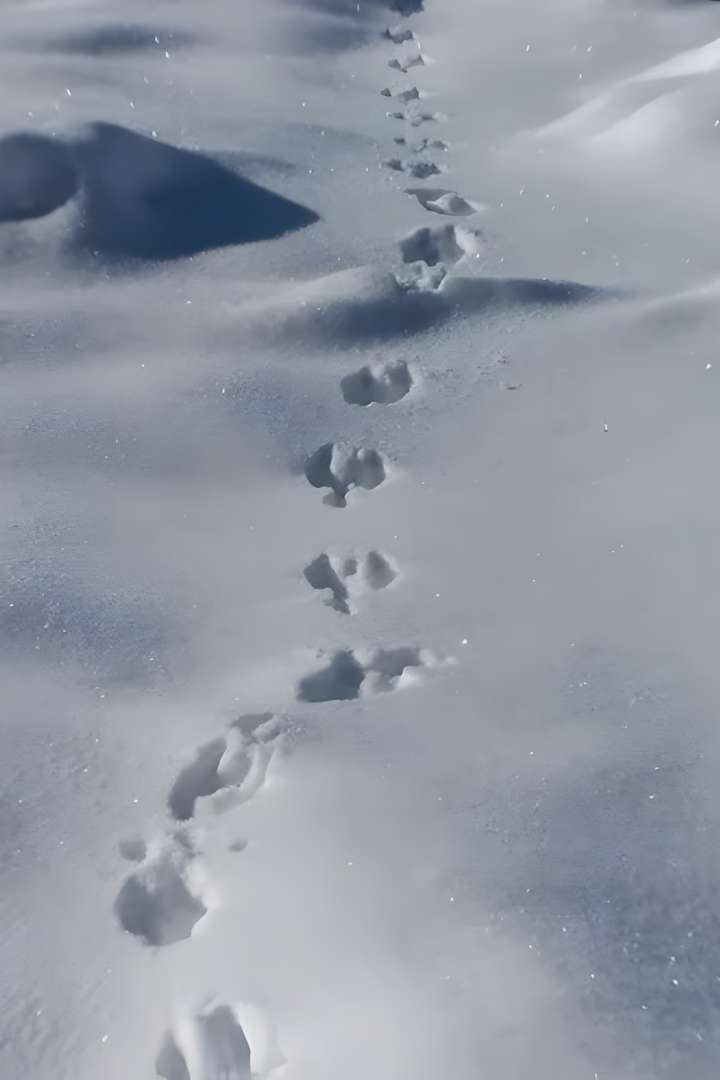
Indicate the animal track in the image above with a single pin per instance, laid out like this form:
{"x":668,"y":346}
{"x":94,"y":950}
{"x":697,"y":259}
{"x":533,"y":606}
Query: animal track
{"x":377,"y":384}
{"x":219,"y":1042}
{"x":446,"y":244}
{"x":377,"y":571}
{"x":170,"y":1064}
{"x":322,"y":574}
{"x":430,"y":144}
{"x":419,"y":277}
{"x":420,"y":170}
{"x":339,"y":681}
{"x":218,"y":1050}
{"x":399,"y":35}
{"x":344,"y":677}
{"x":416,"y":117}
{"x":349,"y":577}
{"x":387,"y":666}
{"x":229,"y":770}
{"x":417,"y":60}
{"x":441,"y":201}
{"x":341,"y":467}
{"x":406,"y":96}
{"x":162,"y":901}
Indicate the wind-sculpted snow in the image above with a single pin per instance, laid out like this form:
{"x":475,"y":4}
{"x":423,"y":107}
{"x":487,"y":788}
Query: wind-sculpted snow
{"x":37,"y":175}
{"x":139,"y":198}
{"x":359,"y":441}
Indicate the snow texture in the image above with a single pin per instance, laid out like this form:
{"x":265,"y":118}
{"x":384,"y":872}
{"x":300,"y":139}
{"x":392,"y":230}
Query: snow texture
{"x":425,"y":788}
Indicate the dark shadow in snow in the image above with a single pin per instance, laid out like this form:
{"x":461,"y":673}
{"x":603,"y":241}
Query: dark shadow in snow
{"x":388,"y":665}
{"x":119,"y":38}
{"x":133,"y":849}
{"x":156,"y":904}
{"x":329,"y":25}
{"x":225,"y":1050}
{"x":341,"y":468}
{"x":377,"y":571}
{"x":221,"y":1049}
{"x":37,"y":175}
{"x":349,"y":8}
{"x":339,"y":24}
{"x":339,"y":681}
{"x":321,"y":574}
{"x":367,"y":11}
{"x":170,"y":1063}
{"x":380,"y":311}
{"x":379,"y":384}
{"x":226,"y":763}
{"x":444,"y":244}
{"x":407,"y":7}
{"x":145,"y":199}
{"x":139,"y":198}
{"x":198,"y":779}
{"x":330,"y":575}
{"x":470,"y":295}
{"x":343,"y":677}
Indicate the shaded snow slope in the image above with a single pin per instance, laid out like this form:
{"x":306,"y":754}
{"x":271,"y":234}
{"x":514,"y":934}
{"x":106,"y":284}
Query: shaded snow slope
{"x":359,"y":429}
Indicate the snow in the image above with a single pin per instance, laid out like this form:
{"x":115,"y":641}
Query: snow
{"x":359,"y":548}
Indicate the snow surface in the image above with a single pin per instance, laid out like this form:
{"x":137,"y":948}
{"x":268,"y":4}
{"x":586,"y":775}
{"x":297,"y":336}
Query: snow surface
{"x":359,"y":455}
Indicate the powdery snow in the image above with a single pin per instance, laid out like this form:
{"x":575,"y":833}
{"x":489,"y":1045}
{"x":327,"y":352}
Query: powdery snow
{"x":359,"y":445}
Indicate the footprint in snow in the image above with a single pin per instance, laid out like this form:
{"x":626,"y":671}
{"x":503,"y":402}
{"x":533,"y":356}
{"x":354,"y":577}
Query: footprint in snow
{"x":419,"y":170}
{"x":377,"y":384}
{"x":416,"y":117}
{"x":346,"y":579}
{"x":228,"y":770}
{"x":416,"y":60}
{"x":399,"y":35}
{"x":420,"y":277}
{"x":405,"y":96}
{"x":430,"y":144}
{"x":163,"y":900}
{"x":346,"y":675}
{"x":341,"y":467}
{"x":442,"y":201}
{"x":219,"y":1041}
{"x":445,"y":244}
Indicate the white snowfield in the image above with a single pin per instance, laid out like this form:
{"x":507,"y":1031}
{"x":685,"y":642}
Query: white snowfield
{"x":359,"y":620}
